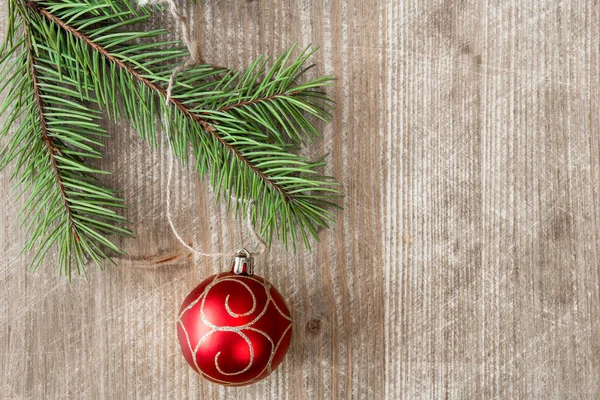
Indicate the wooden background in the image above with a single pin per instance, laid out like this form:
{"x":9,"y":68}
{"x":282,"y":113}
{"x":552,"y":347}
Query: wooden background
{"x":465,"y":262}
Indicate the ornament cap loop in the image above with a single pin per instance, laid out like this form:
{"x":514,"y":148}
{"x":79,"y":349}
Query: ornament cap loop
{"x":243,"y":263}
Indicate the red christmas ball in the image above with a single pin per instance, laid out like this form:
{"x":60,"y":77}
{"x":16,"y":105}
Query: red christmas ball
{"x":234,"y":329}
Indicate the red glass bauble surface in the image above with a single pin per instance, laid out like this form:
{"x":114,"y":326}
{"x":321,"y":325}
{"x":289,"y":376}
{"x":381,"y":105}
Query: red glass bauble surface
{"x":234,"y":329}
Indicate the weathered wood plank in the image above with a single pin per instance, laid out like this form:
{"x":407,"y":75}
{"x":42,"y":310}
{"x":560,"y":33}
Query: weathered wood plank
{"x":464,"y":263}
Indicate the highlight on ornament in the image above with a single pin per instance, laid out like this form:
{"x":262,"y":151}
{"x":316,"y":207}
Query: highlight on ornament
{"x":234,"y":328}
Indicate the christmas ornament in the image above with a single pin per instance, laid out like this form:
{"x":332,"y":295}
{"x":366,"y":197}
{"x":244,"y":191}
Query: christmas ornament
{"x":234,"y":328}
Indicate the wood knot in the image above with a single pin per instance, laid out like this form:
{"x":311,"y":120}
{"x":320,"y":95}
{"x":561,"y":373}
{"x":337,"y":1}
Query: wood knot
{"x":313,"y":326}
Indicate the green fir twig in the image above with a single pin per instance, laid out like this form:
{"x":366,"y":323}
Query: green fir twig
{"x":76,"y":59}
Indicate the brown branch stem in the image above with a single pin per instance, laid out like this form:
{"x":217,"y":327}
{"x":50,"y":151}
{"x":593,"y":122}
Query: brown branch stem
{"x":162,"y":92}
{"x":48,"y":140}
{"x":255,"y":101}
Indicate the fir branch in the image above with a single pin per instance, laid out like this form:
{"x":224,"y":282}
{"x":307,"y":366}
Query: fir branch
{"x":200,"y":100}
{"x":65,"y":205}
{"x":162,"y":92}
{"x":48,"y":141}
{"x":242,"y":127}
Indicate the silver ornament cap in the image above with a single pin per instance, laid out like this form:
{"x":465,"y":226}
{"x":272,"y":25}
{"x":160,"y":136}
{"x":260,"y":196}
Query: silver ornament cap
{"x":243,"y":263}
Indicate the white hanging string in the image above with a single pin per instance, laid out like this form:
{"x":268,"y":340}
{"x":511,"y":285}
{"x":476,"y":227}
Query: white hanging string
{"x":194,"y":59}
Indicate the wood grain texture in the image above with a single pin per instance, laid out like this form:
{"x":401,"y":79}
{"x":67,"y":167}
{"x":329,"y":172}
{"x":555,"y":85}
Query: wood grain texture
{"x":464,"y":263}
